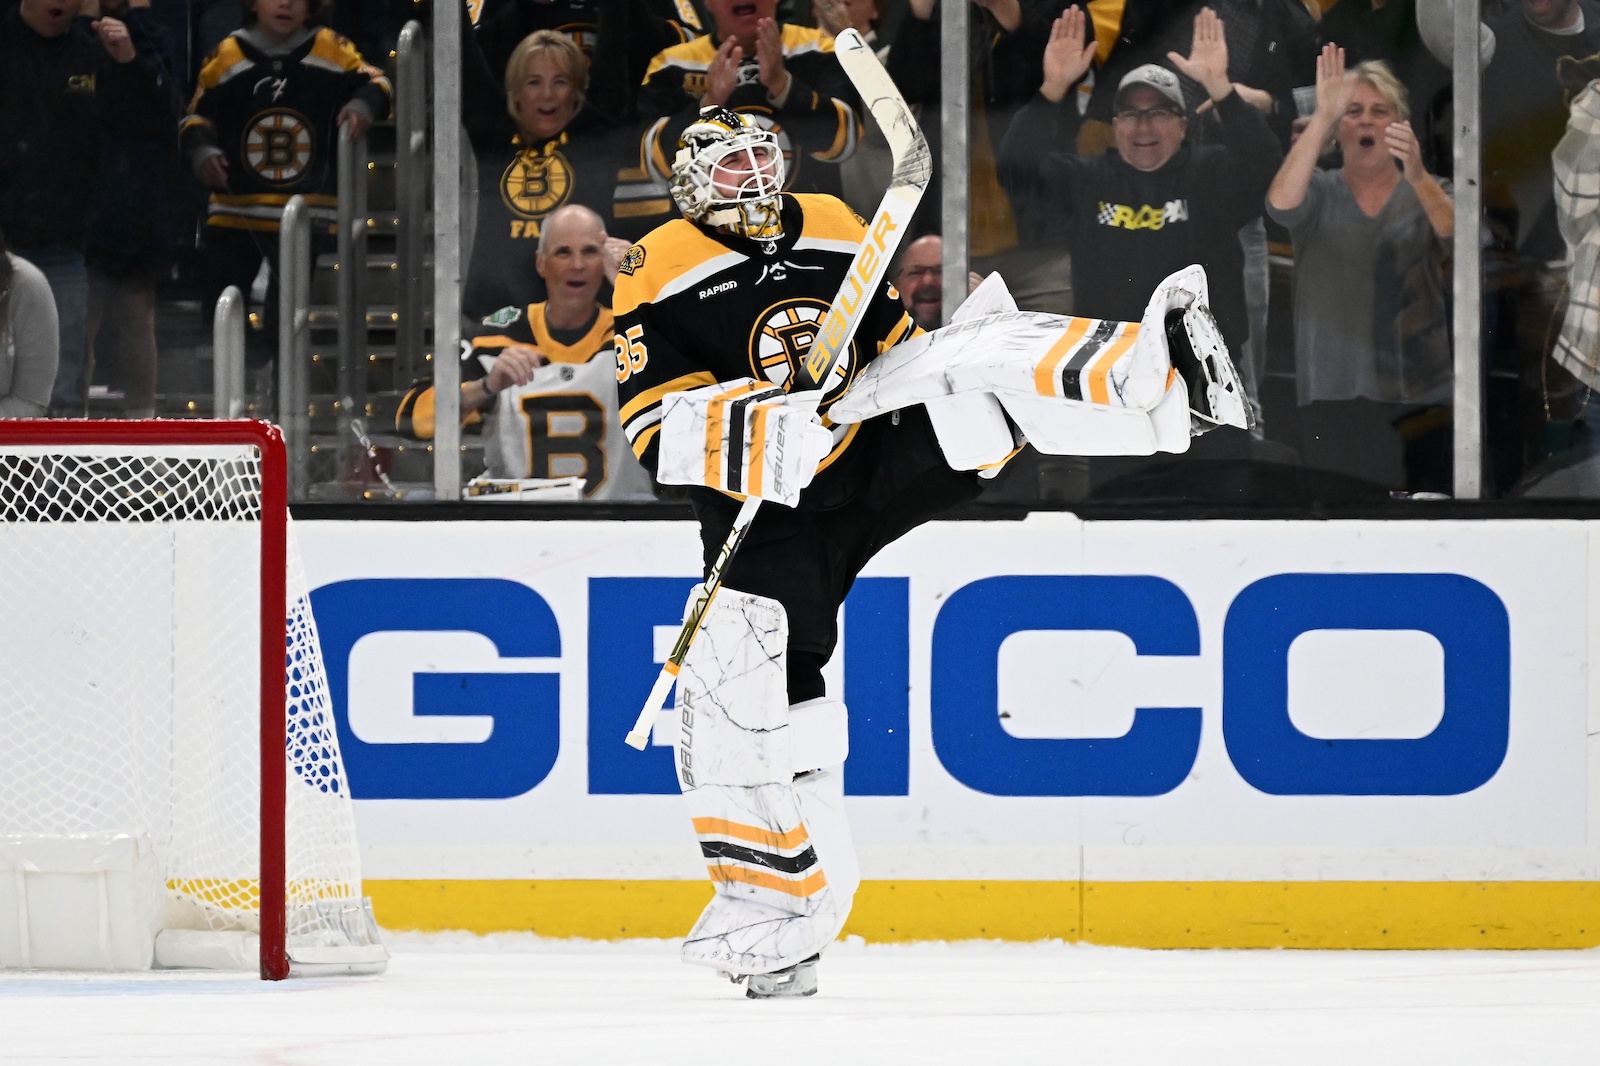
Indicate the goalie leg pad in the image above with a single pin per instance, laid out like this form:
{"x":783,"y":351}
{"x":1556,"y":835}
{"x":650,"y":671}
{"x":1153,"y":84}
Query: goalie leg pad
{"x":773,"y":905}
{"x":820,"y":742}
{"x":972,"y":430}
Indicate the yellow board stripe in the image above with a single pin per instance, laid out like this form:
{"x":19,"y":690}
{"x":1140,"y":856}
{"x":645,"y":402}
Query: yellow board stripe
{"x":1044,"y":375}
{"x":1098,"y":392}
{"x":1154,"y":914}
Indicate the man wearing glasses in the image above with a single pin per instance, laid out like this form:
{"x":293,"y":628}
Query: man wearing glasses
{"x":1155,"y":203}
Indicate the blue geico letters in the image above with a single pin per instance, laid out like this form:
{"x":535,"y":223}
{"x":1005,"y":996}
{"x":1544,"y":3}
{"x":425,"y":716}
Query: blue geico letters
{"x":526,"y":736}
{"x":1155,"y":756}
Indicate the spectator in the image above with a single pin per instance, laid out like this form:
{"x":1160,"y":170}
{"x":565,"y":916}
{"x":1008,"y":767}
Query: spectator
{"x":1577,"y":194}
{"x":1005,"y":47}
{"x":1369,"y":297}
{"x":1523,"y":48}
{"x":1387,"y":30}
{"x":539,"y":147}
{"x":29,"y":337}
{"x":137,"y":228}
{"x":835,"y":16}
{"x":866,"y":174}
{"x":785,"y":76}
{"x":618,"y":38}
{"x":545,"y":375}
{"x":1155,"y":204}
{"x":62,"y":88}
{"x":263,"y":126}
{"x":920,"y":280}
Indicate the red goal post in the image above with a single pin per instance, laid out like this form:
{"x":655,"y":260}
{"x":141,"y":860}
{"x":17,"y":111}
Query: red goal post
{"x":335,"y":932}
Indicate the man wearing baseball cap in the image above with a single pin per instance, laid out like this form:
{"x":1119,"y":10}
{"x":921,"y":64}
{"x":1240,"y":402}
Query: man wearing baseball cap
{"x":1154,"y":204}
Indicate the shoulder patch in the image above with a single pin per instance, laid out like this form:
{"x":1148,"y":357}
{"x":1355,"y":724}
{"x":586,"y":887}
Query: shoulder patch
{"x":632,"y":261}
{"x":503,"y":317}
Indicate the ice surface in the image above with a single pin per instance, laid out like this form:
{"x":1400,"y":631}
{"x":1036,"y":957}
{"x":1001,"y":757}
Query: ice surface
{"x":449,"y":999}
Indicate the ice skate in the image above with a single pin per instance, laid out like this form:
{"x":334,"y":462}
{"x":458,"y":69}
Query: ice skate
{"x":791,"y":982}
{"x":1200,"y":357}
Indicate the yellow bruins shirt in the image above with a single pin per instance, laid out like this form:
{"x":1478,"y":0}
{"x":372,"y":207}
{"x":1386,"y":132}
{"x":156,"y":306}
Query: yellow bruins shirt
{"x":817,"y":127}
{"x":562,"y":423}
{"x":273,"y":117}
{"x":695,"y":307}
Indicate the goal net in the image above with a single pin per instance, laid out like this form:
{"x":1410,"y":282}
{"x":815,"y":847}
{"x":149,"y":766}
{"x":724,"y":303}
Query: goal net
{"x":171,"y":790}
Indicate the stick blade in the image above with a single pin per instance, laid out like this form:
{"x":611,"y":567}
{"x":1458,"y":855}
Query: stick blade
{"x":913,"y":163}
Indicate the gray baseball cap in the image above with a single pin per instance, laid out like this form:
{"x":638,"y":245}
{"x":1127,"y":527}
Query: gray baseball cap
{"x":1158,"y":78}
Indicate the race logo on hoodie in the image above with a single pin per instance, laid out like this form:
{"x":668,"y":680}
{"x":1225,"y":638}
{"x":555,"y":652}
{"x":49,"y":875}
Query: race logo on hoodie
{"x":1144,"y":216}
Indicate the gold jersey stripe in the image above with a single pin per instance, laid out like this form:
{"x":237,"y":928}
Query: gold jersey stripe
{"x":650,"y":397}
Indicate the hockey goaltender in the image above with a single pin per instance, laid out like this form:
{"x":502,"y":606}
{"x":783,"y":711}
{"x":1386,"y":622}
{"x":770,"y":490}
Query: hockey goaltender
{"x":715,"y":313}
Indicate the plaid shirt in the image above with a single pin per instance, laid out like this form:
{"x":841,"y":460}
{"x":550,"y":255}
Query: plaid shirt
{"x":1577,"y":193}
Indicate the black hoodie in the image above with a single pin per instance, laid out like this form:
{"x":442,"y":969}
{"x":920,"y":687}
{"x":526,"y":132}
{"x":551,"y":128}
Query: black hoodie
{"x":1127,"y":229}
{"x":58,"y":96}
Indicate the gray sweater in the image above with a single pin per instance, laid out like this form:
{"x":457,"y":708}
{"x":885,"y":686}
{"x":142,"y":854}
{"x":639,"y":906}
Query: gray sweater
{"x":29,"y":343}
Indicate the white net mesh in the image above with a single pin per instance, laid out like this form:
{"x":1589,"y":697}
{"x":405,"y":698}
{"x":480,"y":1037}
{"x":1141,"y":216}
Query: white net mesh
{"x":129,"y":681}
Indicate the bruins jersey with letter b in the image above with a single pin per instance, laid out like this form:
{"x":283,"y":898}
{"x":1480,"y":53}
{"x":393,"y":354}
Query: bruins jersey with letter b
{"x":273,"y":117}
{"x":695,"y":307}
{"x":563,"y":423}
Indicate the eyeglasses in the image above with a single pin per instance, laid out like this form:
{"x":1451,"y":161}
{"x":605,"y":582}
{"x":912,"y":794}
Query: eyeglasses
{"x":1133,"y":116}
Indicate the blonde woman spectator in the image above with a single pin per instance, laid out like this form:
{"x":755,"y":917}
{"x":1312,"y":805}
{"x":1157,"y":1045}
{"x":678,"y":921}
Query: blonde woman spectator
{"x":29,"y":341}
{"x":1369,"y":297}
{"x":540,"y":148}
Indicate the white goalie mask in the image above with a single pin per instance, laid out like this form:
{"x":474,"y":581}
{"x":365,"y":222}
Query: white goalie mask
{"x":728,"y":173}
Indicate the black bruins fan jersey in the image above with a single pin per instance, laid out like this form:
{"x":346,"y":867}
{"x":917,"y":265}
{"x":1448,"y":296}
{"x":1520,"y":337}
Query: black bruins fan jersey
{"x":562,"y":423}
{"x":817,"y":127}
{"x":274,"y":119}
{"x":695,"y":307}
{"x":519,"y":185}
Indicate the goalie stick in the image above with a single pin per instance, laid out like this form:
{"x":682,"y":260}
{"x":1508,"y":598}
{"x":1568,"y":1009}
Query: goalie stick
{"x":913,"y":167}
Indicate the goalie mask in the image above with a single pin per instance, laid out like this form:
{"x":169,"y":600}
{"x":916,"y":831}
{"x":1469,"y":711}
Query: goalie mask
{"x":728,"y":173}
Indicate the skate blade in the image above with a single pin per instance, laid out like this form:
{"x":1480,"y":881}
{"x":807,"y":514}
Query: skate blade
{"x":791,"y":982}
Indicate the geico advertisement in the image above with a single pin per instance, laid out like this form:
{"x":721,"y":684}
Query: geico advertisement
{"x":1025,"y":698}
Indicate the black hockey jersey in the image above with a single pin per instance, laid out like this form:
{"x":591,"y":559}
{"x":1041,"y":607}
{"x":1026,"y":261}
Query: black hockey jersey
{"x":818,"y":126}
{"x":695,"y":307}
{"x":273,"y":117}
{"x":519,"y":186}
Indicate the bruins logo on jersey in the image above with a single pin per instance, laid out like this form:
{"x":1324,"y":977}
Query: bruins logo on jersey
{"x":782,"y":336}
{"x":632,"y":260}
{"x":536,"y":183}
{"x":278,"y":146}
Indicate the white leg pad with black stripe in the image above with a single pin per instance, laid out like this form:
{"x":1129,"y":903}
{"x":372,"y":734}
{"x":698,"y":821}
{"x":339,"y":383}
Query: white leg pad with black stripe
{"x":773,"y":905}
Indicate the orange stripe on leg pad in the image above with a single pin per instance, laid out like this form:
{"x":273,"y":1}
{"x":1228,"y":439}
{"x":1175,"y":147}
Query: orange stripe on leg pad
{"x":1098,"y":392}
{"x":1044,"y":375}
{"x":721,"y":827}
{"x":761,"y":879}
